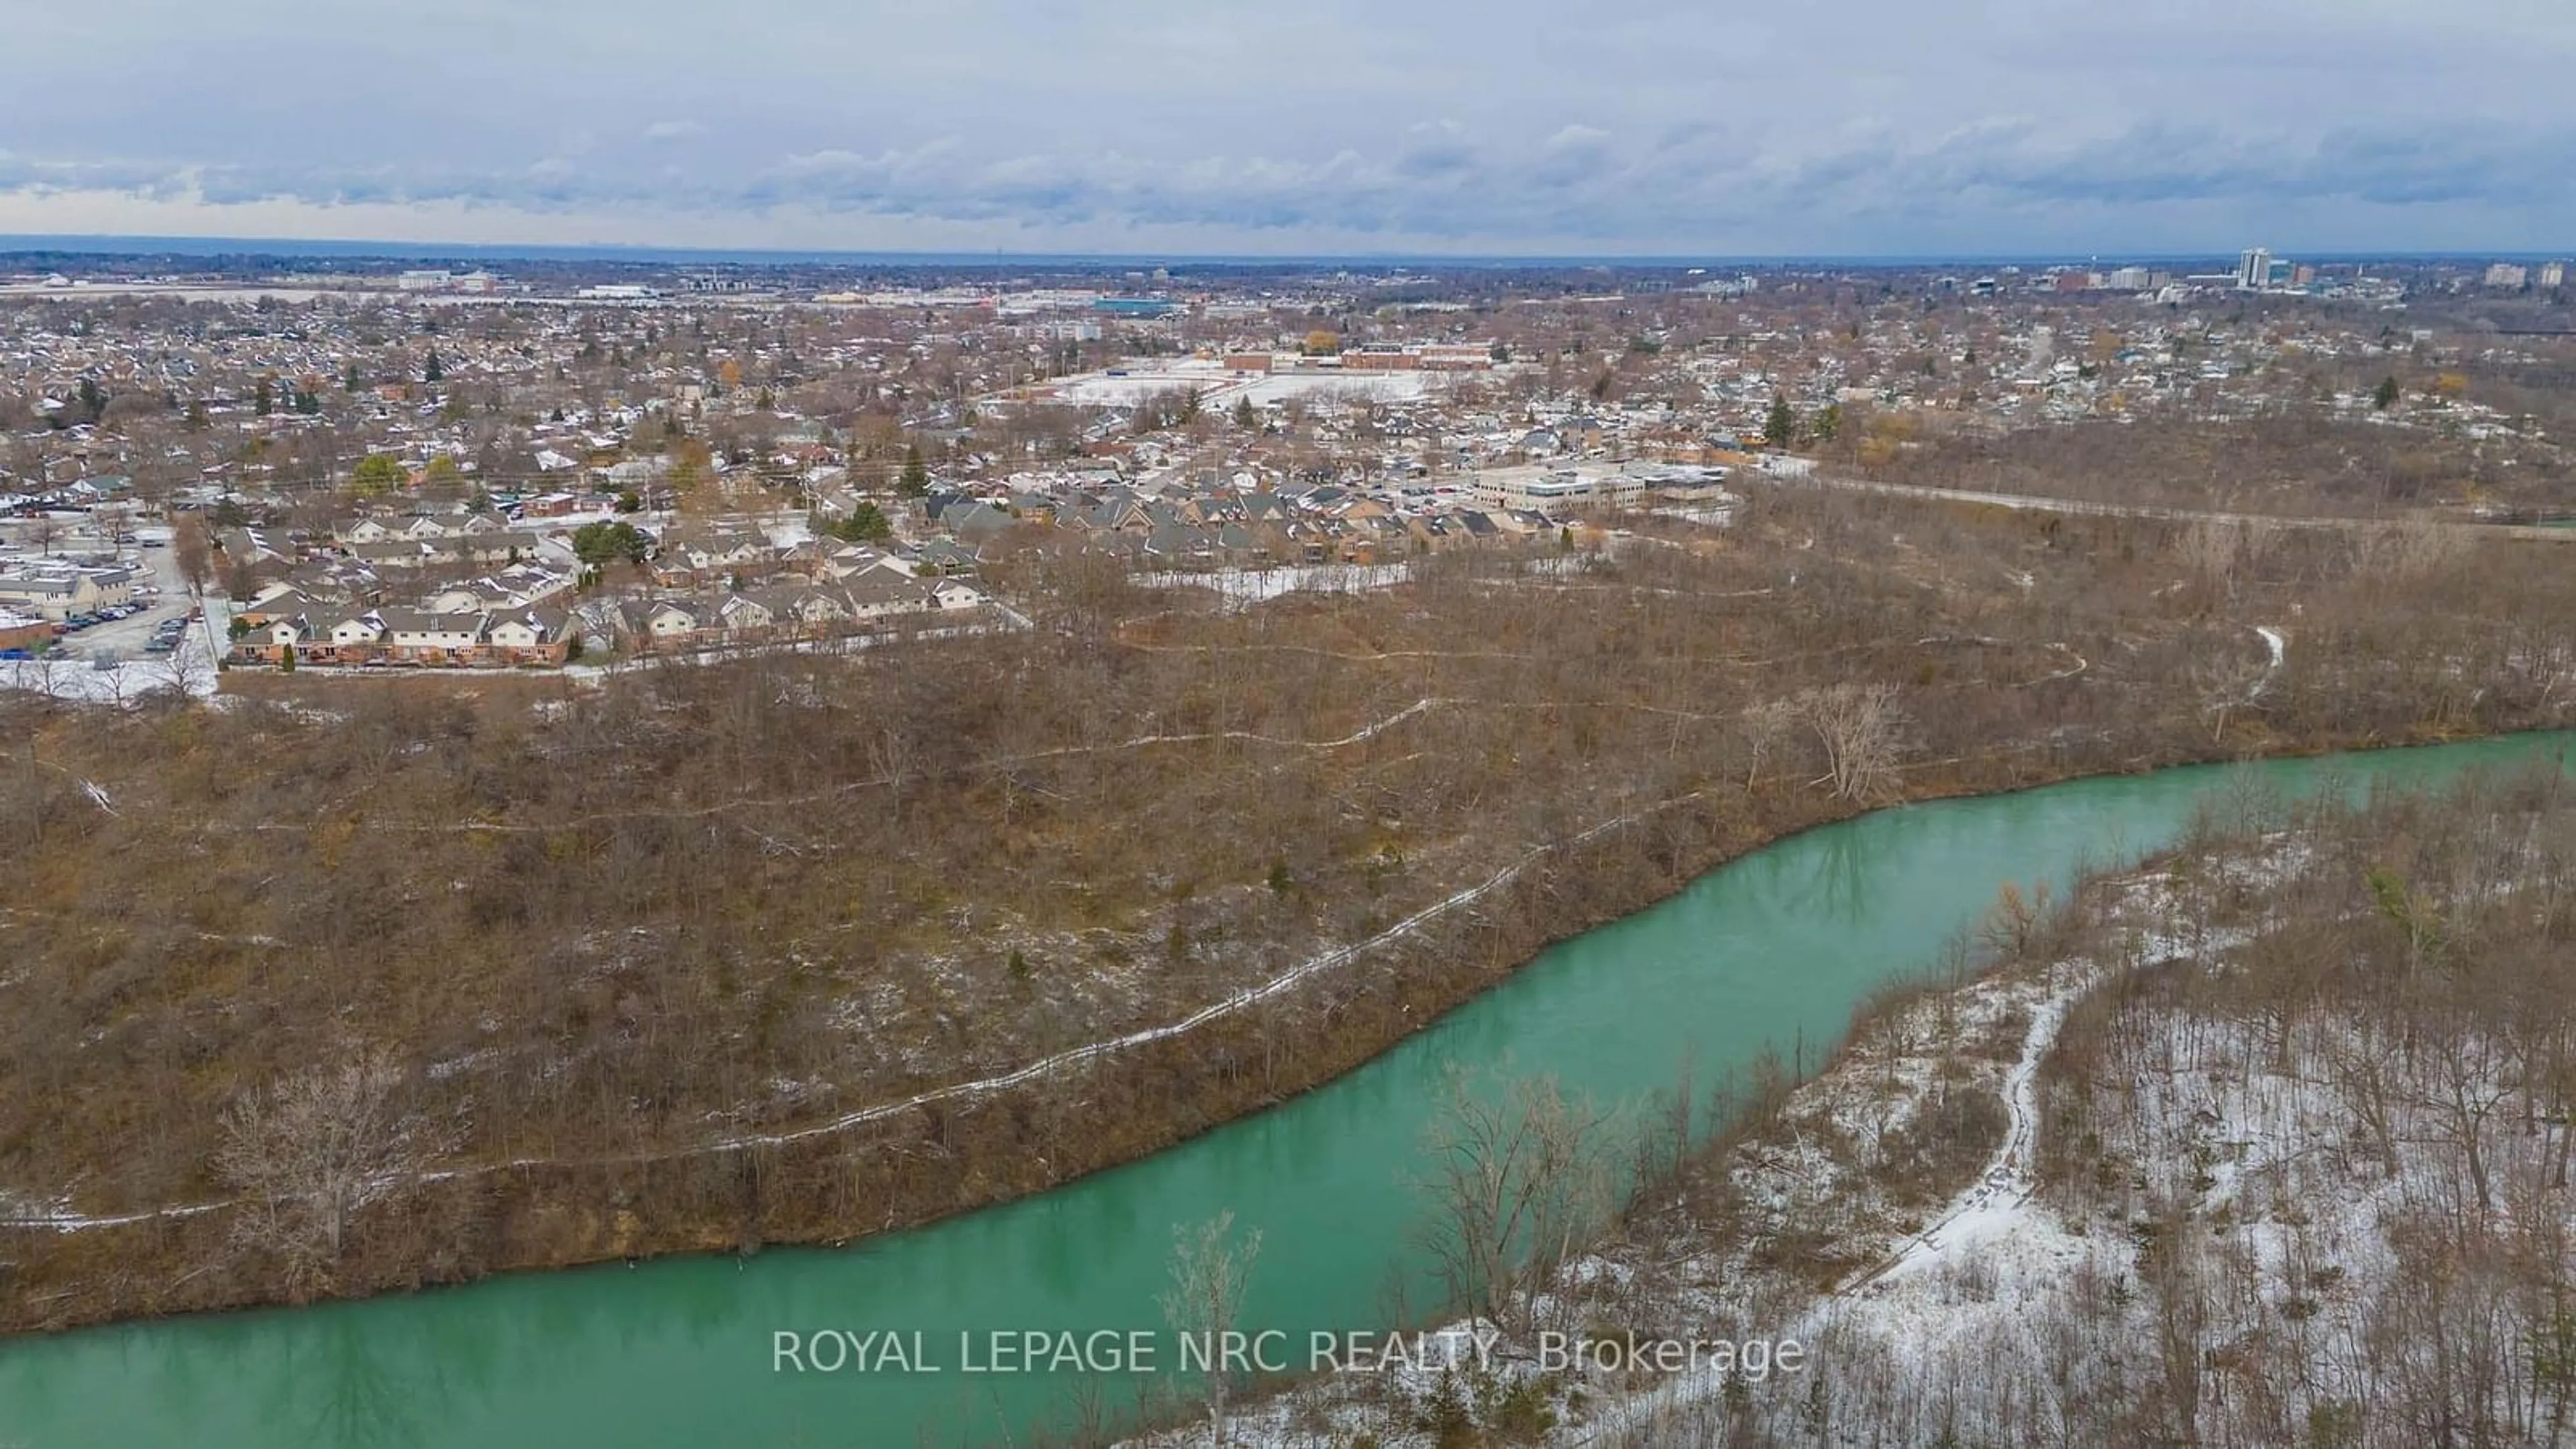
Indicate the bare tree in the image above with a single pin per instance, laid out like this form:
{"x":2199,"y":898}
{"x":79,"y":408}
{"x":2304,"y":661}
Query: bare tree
{"x":193,"y":550}
{"x":2219,"y":551}
{"x":1519,"y":1179}
{"x":310,"y":1150}
{"x":1766,"y":725}
{"x":2406,"y":551}
{"x":1210,"y":1270}
{"x":1862,"y":730}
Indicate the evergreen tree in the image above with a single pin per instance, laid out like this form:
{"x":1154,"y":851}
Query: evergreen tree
{"x":2385,"y":396}
{"x":602,"y":543}
{"x":263,"y":401}
{"x":1781,"y":429}
{"x":916,"y":473}
{"x":867,"y":523}
{"x":435,"y":371}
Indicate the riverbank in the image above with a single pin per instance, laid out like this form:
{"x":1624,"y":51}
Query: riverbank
{"x":806,"y":950}
{"x":2295,"y":1147}
{"x":1009,"y":1142}
{"x":1785,"y":947}
{"x":2155,"y":1167}
{"x":1914,"y":1139}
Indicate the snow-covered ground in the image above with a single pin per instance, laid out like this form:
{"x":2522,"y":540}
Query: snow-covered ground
{"x":1938,"y":1289}
{"x":2278,"y":644}
{"x":190,"y":669}
{"x":1252,"y":586}
{"x":1219,"y":389}
{"x":1249,"y":586}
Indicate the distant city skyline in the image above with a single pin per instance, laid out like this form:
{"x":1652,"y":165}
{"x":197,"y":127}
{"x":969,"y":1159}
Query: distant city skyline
{"x":108,"y":247}
{"x":1639,"y":128}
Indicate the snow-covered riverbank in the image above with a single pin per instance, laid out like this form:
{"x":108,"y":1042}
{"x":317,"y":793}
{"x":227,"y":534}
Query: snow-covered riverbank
{"x":1834,"y":1178}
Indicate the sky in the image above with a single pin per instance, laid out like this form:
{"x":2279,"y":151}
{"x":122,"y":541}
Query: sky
{"x":1305,"y":127}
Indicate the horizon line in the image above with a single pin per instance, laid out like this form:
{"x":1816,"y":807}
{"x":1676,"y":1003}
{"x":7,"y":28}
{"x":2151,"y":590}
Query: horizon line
{"x":116,"y":245}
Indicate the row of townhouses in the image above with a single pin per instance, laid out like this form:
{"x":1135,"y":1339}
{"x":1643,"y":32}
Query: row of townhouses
{"x":530,"y":636}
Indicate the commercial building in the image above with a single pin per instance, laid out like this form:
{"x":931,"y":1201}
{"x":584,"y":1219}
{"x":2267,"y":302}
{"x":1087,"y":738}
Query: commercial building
{"x":1457,"y":356}
{"x":1562,"y":491}
{"x":58,"y":591}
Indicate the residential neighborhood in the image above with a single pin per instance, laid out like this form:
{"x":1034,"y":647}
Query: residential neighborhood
{"x":471,"y":469}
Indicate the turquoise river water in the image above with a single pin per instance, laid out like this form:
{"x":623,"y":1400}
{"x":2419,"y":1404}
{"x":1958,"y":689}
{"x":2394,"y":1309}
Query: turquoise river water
{"x":1772,"y":949}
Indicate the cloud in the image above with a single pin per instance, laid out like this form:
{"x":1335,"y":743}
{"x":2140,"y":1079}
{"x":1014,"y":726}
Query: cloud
{"x":1434,"y":150}
{"x":1866,"y":189}
{"x":1573,"y":154}
{"x":1635,"y":125}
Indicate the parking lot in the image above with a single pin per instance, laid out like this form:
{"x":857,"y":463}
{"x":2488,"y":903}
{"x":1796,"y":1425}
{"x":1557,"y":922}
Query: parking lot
{"x":127,"y":637}
{"x":161,"y":595}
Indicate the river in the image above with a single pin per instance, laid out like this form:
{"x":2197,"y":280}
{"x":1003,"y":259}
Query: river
{"x":1774,"y":948}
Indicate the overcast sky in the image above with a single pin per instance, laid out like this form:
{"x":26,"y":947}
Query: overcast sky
{"x":1604,"y":127}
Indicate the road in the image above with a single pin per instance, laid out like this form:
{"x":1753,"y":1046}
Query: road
{"x":2038,"y":504}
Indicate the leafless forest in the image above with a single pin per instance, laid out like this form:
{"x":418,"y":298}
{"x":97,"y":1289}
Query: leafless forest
{"x":2264,"y":1144}
{"x":2301,"y":1166}
{"x":2299,"y":461}
{"x":709,"y":956}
